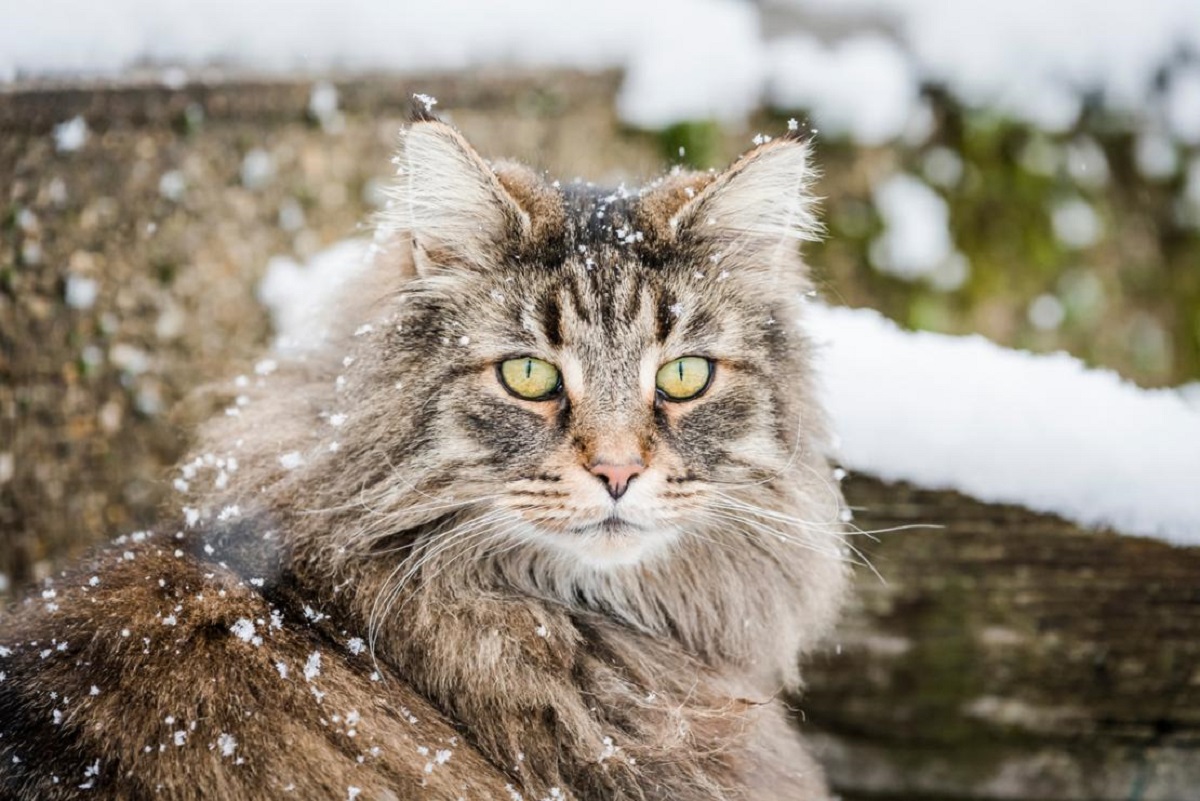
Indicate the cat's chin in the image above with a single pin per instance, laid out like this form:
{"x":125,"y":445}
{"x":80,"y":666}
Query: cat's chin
{"x":608,"y":545}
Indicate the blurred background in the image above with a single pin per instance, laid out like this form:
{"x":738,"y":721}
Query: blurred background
{"x":1028,"y":171}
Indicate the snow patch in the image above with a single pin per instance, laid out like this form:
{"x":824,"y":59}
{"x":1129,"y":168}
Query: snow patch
{"x":1007,"y":426}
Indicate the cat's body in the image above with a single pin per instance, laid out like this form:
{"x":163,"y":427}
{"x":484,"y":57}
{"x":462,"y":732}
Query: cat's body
{"x":396,"y":577}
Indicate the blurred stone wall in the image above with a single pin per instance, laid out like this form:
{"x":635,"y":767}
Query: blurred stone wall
{"x":1005,"y":655}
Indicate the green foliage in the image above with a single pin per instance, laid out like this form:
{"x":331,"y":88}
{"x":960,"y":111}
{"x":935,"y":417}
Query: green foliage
{"x":1129,"y":300}
{"x":693,"y":144}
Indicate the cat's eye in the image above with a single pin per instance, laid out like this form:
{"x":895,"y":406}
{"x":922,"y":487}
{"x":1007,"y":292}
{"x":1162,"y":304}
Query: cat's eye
{"x":529,"y":378}
{"x":684,"y":379}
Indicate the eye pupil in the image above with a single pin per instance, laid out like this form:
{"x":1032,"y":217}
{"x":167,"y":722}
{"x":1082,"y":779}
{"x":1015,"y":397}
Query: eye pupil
{"x":528,"y":367}
{"x":684,"y":378}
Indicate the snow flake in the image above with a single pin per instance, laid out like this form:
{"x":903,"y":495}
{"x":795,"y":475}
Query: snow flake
{"x":243,"y":629}
{"x":336,"y":420}
{"x":227,"y":743}
{"x":312,"y":667}
{"x":69,"y":136}
{"x":428,"y":101}
{"x":180,"y":737}
{"x":291,"y":460}
{"x":610,"y":749}
{"x":356,"y":645}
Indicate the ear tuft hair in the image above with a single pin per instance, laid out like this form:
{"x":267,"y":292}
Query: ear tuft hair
{"x":420,"y":108}
{"x":758,"y":209}
{"x":447,"y":206}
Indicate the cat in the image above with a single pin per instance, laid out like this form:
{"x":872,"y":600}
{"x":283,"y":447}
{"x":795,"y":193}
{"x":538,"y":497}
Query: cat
{"x":546,"y":516}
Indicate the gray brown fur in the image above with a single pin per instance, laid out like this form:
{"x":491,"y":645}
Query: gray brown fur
{"x":509,"y":651}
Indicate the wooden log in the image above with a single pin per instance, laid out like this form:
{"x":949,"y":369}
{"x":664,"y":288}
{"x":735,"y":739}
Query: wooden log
{"x":1010,"y":654}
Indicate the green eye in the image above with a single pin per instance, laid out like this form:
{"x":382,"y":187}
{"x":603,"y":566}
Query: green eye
{"x":684,"y":379}
{"x":530,"y":378}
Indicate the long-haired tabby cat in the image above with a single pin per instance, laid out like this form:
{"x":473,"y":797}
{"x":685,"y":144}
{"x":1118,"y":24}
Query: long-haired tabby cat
{"x":546,"y":517}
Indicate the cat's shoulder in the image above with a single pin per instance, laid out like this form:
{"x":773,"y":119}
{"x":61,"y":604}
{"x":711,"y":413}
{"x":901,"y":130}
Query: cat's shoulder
{"x":149,"y":668}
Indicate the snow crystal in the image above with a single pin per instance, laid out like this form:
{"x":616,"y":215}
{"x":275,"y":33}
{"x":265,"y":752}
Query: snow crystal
{"x":229,"y":512}
{"x":1046,"y":312}
{"x":1075,"y":223}
{"x":312,"y":667}
{"x":172,"y":185}
{"x":323,"y":102}
{"x":94,"y":691}
{"x":81,"y":292}
{"x":71,"y":135}
{"x":336,"y":420}
{"x":243,"y":629}
{"x":542,"y":631}
{"x":227,"y":743}
{"x":258,"y":169}
{"x":356,"y":645}
{"x":180,"y":737}
{"x":1155,"y":155}
{"x":1005,"y":426}
{"x":291,"y":460}
{"x":610,"y":749}
{"x":353,"y":792}
{"x":282,"y":668}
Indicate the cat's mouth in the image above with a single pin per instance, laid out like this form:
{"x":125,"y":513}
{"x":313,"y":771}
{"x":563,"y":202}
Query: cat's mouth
{"x":613,"y":525}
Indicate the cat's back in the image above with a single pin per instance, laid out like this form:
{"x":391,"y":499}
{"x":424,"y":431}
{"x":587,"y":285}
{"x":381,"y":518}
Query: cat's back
{"x":151,"y":670}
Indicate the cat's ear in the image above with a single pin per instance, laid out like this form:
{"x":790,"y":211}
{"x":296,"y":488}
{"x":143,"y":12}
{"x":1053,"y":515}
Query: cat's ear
{"x":755,"y":213}
{"x":448,"y":210}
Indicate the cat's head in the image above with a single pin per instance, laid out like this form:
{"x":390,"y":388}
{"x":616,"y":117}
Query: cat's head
{"x":597,"y":371}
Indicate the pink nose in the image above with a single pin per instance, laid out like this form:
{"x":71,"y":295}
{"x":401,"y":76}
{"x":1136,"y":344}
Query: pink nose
{"x":617,"y":476}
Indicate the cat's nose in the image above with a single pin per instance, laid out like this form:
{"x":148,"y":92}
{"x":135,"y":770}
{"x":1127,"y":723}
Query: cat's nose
{"x":616,"y":477}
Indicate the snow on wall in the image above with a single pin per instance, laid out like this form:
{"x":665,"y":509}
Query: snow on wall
{"x":685,"y":59}
{"x":1045,"y":432}
{"x":963,"y":413}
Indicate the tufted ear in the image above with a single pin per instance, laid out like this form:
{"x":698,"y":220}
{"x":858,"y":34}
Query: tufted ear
{"x":447,"y":209}
{"x":754,"y":214}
